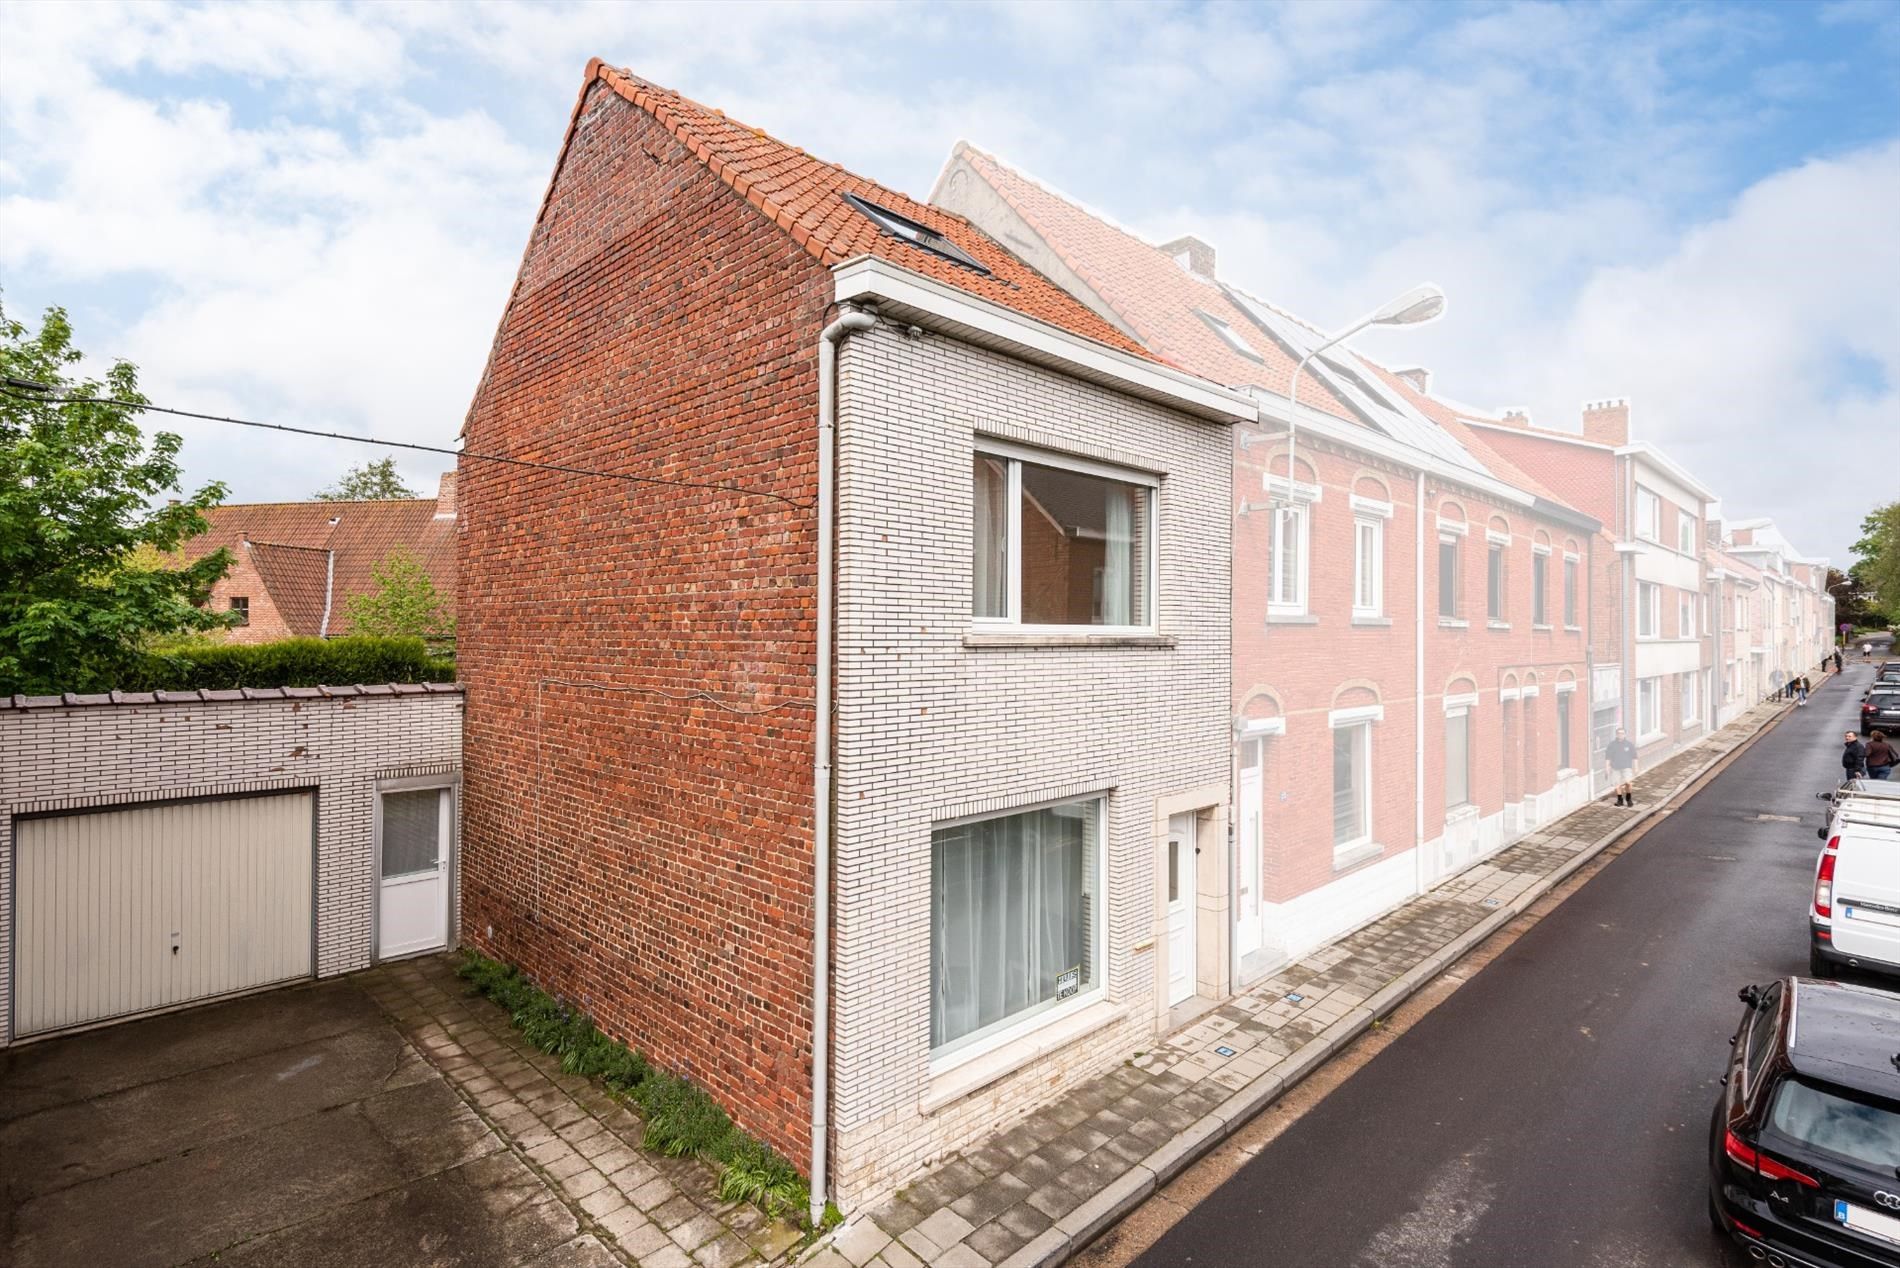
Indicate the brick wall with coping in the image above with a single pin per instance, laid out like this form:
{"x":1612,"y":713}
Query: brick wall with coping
{"x":71,"y":756}
{"x":929,"y":727}
{"x":638,"y":848}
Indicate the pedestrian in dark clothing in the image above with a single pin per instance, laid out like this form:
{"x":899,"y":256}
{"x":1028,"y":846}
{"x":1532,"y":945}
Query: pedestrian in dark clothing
{"x":1794,"y":688}
{"x":1802,"y":687}
{"x":1853,"y":757}
{"x":1881,"y":756}
{"x":1837,"y":660}
{"x":1620,"y":757}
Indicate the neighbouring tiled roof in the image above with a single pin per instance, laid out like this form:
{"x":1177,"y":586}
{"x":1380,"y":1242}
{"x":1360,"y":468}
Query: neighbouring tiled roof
{"x":298,"y":578}
{"x":803,"y":195}
{"x":289,"y":541}
{"x":236,"y":695}
{"x":1155,"y":296}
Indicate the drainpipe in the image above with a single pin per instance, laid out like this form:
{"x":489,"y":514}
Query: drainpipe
{"x":848,"y":320}
{"x":1418,"y":690}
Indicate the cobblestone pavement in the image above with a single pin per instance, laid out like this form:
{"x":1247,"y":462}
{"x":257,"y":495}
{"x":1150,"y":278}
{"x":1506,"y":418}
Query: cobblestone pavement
{"x":645,"y":1209}
{"x":1042,"y":1189}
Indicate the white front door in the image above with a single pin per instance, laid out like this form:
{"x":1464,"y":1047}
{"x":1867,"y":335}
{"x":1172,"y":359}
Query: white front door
{"x":415,"y":829}
{"x":1180,"y":890}
{"x":1249,"y":928}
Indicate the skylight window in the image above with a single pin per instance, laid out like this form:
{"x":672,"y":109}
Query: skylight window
{"x":1231,"y":335}
{"x":917,"y":235}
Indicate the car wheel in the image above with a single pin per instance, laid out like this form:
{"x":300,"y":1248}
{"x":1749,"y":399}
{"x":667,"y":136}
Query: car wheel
{"x":1817,"y":965}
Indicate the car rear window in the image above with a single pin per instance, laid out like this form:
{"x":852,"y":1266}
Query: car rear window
{"x":1836,"y":1123}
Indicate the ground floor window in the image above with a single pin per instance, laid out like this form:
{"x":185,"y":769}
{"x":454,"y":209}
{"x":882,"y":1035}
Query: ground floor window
{"x":1648,"y":706}
{"x":1690,"y":710}
{"x":1352,"y":785}
{"x":1015,"y":918}
{"x":1457,"y":759}
{"x":1563,"y":730}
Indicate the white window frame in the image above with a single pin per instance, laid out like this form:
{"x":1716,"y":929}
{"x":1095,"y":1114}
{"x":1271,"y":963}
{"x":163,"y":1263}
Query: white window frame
{"x":1460,"y":707}
{"x":1573,"y":582}
{"x":1001,"y":1034}
{"x":1689,"y":688}
{"x":1014,"y":456}
{"x":1497,"y":597}
{"x":1447,"y":537}
{"x":1648,"y":605}
{"x":1649,"y":728}
{"x":1686,"y":615}
{"x":1368,"y":556}
{"x":1648,"y":515}
{"x":1346,"y":719}
{"x":1540,"y":587}
{"x":1566,"y":693}
{"x":1284,"y":600}
{"x":1685,"y":529}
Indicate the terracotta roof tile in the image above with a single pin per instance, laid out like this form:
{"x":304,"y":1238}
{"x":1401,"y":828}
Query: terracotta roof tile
{"x":289,"y":541}
{"x":804,"y":196}
{"x":1152,"y":294}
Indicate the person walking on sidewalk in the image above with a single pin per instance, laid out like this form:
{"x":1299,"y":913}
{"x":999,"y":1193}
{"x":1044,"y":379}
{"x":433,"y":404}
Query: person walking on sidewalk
{"x":1853,"y":758}
{"x":1801,"y":689}
{"x":1837,"y":660}
{"x":1621,"y":760}
{"x":1881,"y":756}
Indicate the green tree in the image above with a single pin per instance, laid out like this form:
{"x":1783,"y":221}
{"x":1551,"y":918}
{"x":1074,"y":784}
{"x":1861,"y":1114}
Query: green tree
{"x":85,"y":537}
{"x":372,"y":482}
{"x":405,"y":603}
{"x":1877,"y":558}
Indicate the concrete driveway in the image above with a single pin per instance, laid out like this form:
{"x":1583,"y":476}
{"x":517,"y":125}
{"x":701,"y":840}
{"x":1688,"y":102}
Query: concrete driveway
{"x":297,"y":1127}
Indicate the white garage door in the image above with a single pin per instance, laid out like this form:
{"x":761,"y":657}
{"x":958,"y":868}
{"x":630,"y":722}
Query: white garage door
{"x":125,"y":911}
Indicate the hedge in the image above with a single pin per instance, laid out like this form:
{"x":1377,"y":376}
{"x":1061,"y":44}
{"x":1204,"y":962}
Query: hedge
{"x":290,"y":662}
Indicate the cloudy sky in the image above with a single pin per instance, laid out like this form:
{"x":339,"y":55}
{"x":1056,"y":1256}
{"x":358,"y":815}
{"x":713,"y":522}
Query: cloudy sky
{"x":312,"y":213}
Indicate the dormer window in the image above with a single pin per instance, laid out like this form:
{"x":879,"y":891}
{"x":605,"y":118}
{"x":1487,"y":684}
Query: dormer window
{"x":1229,"y":335}
{"x":916,"y":234}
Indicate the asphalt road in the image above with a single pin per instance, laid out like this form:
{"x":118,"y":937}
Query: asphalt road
{"x":1553,"y":1112}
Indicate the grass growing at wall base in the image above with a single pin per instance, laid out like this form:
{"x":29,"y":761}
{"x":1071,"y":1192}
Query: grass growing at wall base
{"x":682,"y":1120}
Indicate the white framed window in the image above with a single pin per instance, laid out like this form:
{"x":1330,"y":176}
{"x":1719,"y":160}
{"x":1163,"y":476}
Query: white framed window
{"x":1229,"y":335}
{"x":1685,"y":615}
{"x":1570,"y":592}
{"x":1540,"y":587}
{"x":1016,"y":932}
{"x":1494,"y":582}
{"x":1060,"y":542}
{"x":1648,"y":707}
{"x":1563,"y":728}
{"x":1688,"y":693}
{"x":1368,"y":567}
{"x":1648,"y":515}
{"x":1457,"y":756}
{"x":1352,"y":779}
{"x":1685,"y":533}
{"x":1287,"y":582}
{"x":1648,"y":610}
{"x":1448,"y":578}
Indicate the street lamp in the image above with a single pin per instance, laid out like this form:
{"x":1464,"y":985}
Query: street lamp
{"x":1420,"y":304}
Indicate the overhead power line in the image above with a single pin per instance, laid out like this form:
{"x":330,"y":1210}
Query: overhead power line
{"x":28,"y":390}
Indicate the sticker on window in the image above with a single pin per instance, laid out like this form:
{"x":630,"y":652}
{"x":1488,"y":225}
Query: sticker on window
{"x":1069,"y":983}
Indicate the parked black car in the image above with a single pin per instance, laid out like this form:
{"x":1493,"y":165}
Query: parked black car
{"x":1804,"y":1147}
{"x":1880,"y":711}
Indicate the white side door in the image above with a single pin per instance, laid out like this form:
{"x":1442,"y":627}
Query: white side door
{"x":1249,"y":928}
{"x":415,"y":835}
{"x":1180,"y":895}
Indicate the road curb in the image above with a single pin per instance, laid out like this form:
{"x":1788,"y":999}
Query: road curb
{"x":1068,"y":1237}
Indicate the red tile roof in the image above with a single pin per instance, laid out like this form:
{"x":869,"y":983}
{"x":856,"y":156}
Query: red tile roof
{"x":291,"y":544}
{"x":1154,"y":296}
{"x":803,"y":195}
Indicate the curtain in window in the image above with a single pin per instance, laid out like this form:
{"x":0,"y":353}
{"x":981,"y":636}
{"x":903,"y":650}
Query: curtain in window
{"x":1118,"y":583}
{"x":989,"y":543}
{"x":1013,"y":902}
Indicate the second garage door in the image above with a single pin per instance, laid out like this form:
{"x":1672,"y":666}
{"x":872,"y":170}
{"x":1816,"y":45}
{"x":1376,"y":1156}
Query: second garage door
{"x":148,"y":907}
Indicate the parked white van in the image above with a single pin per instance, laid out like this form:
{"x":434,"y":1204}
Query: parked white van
{"x":1855,"y":918}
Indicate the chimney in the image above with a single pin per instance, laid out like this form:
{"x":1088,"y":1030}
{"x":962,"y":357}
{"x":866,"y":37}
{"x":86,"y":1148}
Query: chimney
{"x":1191,"y":254}
{"x":1607,"y":422}
{"x":1515,"y":418}
{"x":1419,"y":377}
{"x":445,"y":497}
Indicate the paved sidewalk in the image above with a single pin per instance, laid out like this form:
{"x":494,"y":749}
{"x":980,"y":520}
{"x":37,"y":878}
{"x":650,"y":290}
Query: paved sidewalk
{"x":1039,"y":1191}
{"x":644,"y":1209}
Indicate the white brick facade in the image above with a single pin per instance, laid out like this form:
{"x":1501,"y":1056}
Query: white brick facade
{"x":338,"y":741}
{"x":932,"y":728}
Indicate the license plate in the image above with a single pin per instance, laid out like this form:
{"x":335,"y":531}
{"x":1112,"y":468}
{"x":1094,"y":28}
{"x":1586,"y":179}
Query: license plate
{"x":1868,"y":915}
{"x":1862,"y":1220}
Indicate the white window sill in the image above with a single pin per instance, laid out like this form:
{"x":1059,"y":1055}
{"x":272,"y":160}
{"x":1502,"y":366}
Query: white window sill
{"x":1372,"y":620}
{"x":1568,"y":772}
{"x":1540,"y":627}
{"x":1453,"y":623}
{"x":1348,"y":857}
{"x":1572,"y":629}
{"x":1461,"y":813}
{"x":1497,"y":625}
{"x":1075,"y":638}
{"x":1292,"y":618}
{"x":958,"y":1075}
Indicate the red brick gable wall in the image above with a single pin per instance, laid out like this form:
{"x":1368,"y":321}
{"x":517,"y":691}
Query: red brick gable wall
{"x":1584,"y":477}
{"x":644,"y":856}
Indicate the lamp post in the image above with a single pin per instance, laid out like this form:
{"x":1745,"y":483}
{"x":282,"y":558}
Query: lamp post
{"x":1420,"y":304}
